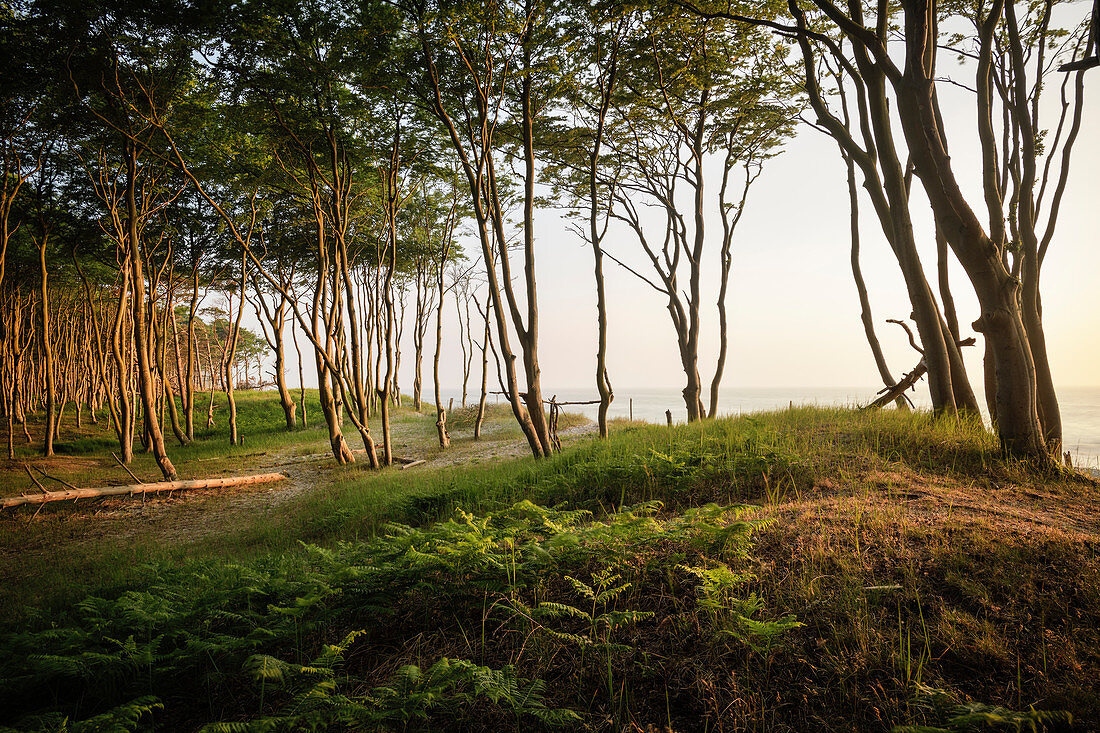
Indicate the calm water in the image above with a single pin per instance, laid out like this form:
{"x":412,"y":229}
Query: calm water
{"x":1080,"y":407}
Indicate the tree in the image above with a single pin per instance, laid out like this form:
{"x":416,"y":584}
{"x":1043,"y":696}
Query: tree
{"x":1003,"y":271}
{"x":696,"y":90}
{"x":579,"y":168}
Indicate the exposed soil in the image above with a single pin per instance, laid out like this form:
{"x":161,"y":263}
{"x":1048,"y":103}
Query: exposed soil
{"x":196,"y":515}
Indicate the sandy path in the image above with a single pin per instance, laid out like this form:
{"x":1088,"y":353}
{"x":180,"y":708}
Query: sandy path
{"x":197,"y":515}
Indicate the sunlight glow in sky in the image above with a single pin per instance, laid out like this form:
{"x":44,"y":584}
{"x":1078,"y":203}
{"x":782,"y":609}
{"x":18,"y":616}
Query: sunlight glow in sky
{"x":793,"y":308}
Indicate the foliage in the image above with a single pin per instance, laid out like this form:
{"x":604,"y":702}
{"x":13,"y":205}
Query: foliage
{"x":631,"y":602}
{"x":734,"y":616}
{"x":126,"y":717}
{"x":195,"y":629}
{"x":316,"y":702}
{"x":955,"y":717}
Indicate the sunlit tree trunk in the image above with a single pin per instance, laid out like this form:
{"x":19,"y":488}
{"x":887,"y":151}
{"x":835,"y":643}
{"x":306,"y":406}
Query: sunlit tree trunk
{"x":45,"y":348}
{"x":141,"y":346}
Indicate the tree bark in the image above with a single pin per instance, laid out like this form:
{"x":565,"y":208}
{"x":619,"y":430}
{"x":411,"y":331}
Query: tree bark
{"x":46,"y":349}
{"x":141,"y":347}
{"x":861,"y":286}
{"x":142,"y":489}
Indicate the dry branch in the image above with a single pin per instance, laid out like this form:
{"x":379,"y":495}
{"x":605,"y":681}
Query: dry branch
{"x":889,"y":394}
{"x":126,"y":468}
{"x":209,"y":483}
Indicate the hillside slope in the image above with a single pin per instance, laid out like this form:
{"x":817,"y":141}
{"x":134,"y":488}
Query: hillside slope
{"x":802,"y":570}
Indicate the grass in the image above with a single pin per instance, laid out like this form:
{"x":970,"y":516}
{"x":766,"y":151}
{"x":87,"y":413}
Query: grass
{"x":807,"y":569}
{"x":107,"y":539}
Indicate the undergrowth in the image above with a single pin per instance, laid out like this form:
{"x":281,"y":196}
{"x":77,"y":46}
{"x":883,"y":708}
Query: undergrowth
{"x":801,"y":570}
{"x":293,"y":641}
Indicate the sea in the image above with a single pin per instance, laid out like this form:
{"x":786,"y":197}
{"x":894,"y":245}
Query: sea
{"x":1080,"y":407}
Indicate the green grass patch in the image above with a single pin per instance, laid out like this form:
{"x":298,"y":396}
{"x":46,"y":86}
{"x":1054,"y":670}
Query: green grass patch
{"x":806,"y":569}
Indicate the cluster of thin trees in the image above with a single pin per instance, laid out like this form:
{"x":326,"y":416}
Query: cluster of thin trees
{"x":69,"y":346}
{"x":318,"y":164}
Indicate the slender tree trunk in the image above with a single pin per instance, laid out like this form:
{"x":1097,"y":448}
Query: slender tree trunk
{"x":595,"y":237}
{"x":420,"y":327}
{"x":484,"y":375}
{"x":529,"y":337}
{"x":212,"y":373}
{"x":475,"y":155}
{"x":361,"y":407}
{"x":323,"y":335}
{"x":229,"y":355}
{"x":861,"y":286}
{"x":145,"y":375}
{"x":440,"y":413}
{"x":285,"y":399}
{"x":388,"y":378}
{"x":192,"y":356}
{"x":276,"y":318}
{"x":463,"y":341}
{"x":46,"y":349}
{"x":301,"y":379}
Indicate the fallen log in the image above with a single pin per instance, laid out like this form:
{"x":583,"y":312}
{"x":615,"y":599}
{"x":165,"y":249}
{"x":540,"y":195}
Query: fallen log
{"x":142,"y":489}
{"x":410,"y":464}
{"x":889,"y":394}
{"x":907,"y":382}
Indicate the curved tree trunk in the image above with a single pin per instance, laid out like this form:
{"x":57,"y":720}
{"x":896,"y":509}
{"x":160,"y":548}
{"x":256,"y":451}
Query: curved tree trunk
{"x":301,"y":378}
{"x":440,"y":413}
{"x":141,"y":346}
{"x":46,"y":350}
{"x":861,"y":286}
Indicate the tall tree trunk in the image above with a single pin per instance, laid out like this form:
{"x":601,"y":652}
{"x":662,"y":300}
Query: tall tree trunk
{"x":230,"y":354}
{"x":285,"y":399}
{"x":324,"y":353}
{"x":301,"y":378}
{"x":529,"y":337}
{"x":997,"y":290}
{"x":141,"y":346}
{"x":360,"y":405}
{"x":595,"y":237}
{"x":46,"y":350}
{"x":192,"y":357}
{"x":169,"y":396}
{"x":387,"y":380}
{"x":729,"y":225}
{"x":463,"y":340}
{"x":212,"y":373}
{"x":420,"y":327}
{"x":861,"y":286}
{"x":474,"y":152}
{"x":276,"y":318}
{"x":484,"y":373}
{"x":440,"y":413}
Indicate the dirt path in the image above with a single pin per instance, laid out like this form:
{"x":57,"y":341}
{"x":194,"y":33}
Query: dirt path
{"x":199,"y":515}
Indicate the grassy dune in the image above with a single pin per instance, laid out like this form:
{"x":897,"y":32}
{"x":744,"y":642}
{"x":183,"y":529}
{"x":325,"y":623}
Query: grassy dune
{"x":801,"y":570}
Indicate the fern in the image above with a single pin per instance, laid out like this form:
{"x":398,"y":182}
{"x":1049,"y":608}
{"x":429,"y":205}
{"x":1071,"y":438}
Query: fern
{"x":951,"y":716}
{"x":121,"y":719}
{"x":195,"y":629}
{"x":447,"y":687}
{"x":732,"y":615}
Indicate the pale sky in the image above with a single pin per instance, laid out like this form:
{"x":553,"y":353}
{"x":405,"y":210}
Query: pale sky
{"x":793,"y":308}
